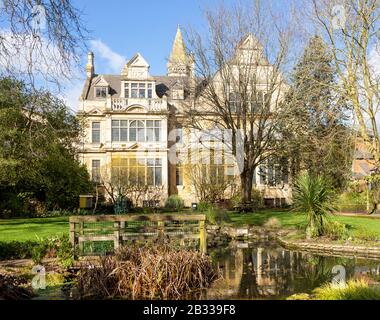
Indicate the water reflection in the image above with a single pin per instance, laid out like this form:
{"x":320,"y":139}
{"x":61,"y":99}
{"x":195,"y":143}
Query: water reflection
{"x":268,"y":271}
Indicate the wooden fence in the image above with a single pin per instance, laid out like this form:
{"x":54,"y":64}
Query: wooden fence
{"x":117,"y":230}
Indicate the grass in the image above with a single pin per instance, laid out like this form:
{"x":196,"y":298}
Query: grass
{"x":357,"y":226}
{"x":30,"y":229}
{"x":353,"y":290}
{"x":287,"y":219}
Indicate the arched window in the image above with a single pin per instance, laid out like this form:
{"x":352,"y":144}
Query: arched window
{"x":137,"y":131}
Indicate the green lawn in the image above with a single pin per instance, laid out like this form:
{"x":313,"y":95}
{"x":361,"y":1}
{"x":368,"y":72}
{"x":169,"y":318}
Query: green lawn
{"x":30,"y":229}
{"x":289,"y":219}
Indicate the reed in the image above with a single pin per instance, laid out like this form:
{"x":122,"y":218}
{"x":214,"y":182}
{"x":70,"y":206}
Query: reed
{"x":158,"y":272}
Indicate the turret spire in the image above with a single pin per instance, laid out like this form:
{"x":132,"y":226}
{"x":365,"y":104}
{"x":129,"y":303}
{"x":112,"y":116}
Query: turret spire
{"x":178,"y":53}
{"x":178,"y":62}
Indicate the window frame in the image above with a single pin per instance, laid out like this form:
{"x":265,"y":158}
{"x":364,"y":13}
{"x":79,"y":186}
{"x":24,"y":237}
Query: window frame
{"x":141,"y":166}
{"x":140,"y":128}
{"x":138,"y":89}
{"x":101,"y":97}
{"x":234,"y":101}
{"x":95,"y":130}
{"x":95,"y":175}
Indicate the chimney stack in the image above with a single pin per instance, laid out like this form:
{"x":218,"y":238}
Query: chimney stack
{"x":90,"y":69}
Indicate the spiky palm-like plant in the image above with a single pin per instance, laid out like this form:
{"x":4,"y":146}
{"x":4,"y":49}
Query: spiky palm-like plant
{"x":315,"y":197}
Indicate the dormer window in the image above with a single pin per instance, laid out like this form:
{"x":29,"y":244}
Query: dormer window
{"x":138,"y":90}
{"x":178,"y":94}
{"x":101,"y":92}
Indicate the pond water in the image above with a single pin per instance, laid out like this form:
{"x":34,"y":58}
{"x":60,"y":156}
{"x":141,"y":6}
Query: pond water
{"x":265,"y":270}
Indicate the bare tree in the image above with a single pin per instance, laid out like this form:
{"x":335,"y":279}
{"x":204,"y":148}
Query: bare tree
{"x":239,"y":83}
{"x":40,"y":40}
{"x":209,"y":181}
{"x":126,"y":185}
{"x":351,"y":28}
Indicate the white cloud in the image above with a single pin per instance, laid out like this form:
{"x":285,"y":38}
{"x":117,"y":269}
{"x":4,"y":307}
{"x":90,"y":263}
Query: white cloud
{"x":110,"y":61}
{"x":374,"y":61}
{"x":72,"y":92}
{"x":25,"y":56}
{"x":114,"y":61}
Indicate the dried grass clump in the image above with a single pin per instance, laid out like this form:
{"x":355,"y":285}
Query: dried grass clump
{"x":272,"y":223}
{"x":147,"y":273}
{"x":13,"y":288}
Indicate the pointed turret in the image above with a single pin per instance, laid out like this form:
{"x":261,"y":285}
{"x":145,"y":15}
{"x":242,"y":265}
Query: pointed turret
{"x":178,"y":63}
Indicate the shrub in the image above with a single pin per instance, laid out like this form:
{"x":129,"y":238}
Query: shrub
{"x":65,"y":252}
{"x":315,"y":197}
{"x":217,"y":216}
{"x":336,"y":230}
{"x":39,"y":252}
{"x":203,"y":206}
{"x":257,"y":199}
{"x":236,"y":200}
{"x":299,"y":296}
{"x":59,"y":247}
{"x":174,"y":202}
{"x":353,"y":290}
{"x":352,"y":201}
{"x":17,"y":250}
{"x":366,"y":235}
{"x":146,"y":273}
{"x":272,"y":223}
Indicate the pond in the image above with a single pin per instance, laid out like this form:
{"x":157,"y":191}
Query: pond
{"x":265,"y":270}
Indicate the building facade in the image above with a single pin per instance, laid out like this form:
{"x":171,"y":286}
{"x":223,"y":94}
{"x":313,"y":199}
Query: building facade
{"x":134,"y":125}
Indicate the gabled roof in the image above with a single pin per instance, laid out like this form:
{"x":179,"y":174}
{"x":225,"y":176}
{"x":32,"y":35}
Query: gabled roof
{"x":138,"y":61}
{"x":249,"y":41}
{"x":100,"y":82}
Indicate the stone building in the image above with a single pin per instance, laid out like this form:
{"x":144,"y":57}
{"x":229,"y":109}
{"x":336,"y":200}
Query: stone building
{"x":134,"y":126}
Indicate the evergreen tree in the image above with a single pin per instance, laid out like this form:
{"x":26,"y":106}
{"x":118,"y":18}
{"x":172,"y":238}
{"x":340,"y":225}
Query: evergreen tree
{"x":38,"y":139}
{"x":318,"y":139}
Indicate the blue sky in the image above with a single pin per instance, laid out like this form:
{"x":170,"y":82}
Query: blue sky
{"x":148,"y":27}
{"x":121,"y":28}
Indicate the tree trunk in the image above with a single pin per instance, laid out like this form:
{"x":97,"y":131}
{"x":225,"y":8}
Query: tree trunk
{"x":246,"y":185}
